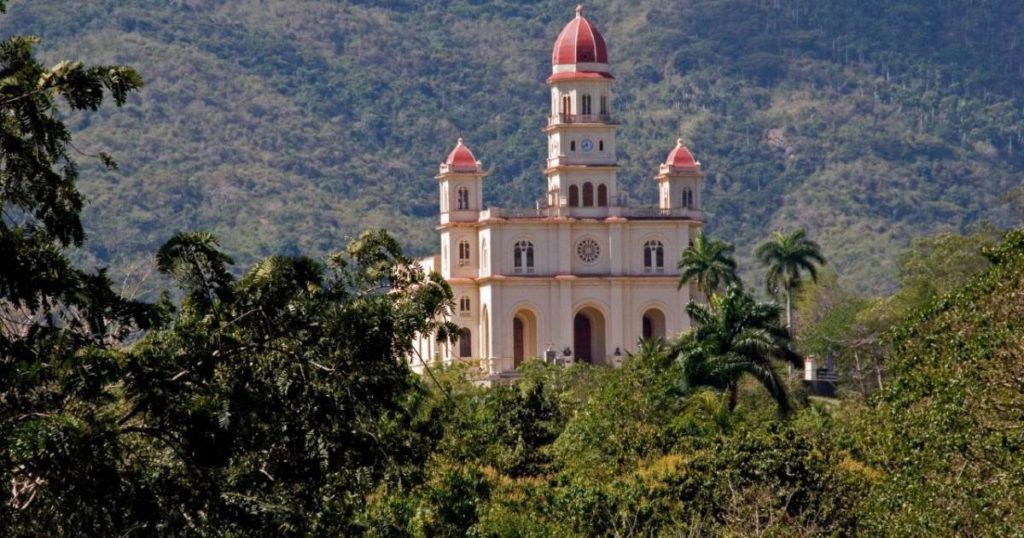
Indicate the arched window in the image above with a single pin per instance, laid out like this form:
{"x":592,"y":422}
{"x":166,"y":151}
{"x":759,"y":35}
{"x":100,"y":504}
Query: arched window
{"x":463,"y":198}
{"x":604,"y":104}
{"x":572,"y":145}
{"x":566,"y":105}
{"x":574,"y":196}
{"x":588,"y":194}
{"x":654,"y":257}
{"x":522,"y":257}
{"x":465,"y":343}
{"x":463,"y":253}
{"x":586,"y":104}
{"x":688,"y":198}
{"x":464,"y":306}
{"x":600,"y":145}
{"x":602,"y":195}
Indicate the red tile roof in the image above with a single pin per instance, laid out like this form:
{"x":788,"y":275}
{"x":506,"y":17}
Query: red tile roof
{"x":680,"y":157}
{"x":461,"y":159}
{"x":579,"y":42}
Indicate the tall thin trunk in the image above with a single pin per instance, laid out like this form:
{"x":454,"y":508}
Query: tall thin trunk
{"x":789,"y":313}
{"x":860,"y":375}
{"x":789,"y":329}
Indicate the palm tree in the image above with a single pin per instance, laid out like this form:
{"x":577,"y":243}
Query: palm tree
{"x":735,"y":336}
{"x":787,"y":257}
{"x":710,"y":263}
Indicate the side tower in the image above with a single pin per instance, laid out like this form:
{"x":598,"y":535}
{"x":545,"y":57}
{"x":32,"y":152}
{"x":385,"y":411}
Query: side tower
{"x":581,"y":165}
{"x":460,"y":181}
{"x":680,"y":181}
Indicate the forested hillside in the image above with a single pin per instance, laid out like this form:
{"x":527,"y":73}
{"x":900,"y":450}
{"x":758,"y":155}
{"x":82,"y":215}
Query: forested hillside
{"x":287,"y":126}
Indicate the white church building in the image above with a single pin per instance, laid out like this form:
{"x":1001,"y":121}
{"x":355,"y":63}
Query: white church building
{"x":582,"y":276}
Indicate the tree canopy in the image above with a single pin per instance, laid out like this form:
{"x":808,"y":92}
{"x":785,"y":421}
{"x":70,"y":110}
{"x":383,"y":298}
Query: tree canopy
{"x":736,"y":336}
{"x":709,"y":263}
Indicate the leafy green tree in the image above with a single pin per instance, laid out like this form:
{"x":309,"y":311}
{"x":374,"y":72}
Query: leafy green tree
{"x":735,"y":336}
{"x":710,"y":263}
{"x":943,"y":436}
{"x":623,"y":417}
{"x":787,"y":257}
{"x":280,"y":398}
{"x":39,"y":199}
{"x":270,"y":403}
{"x":193,"y":261}
{"x":60,"y":327}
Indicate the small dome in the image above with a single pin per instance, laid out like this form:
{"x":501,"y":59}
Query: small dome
{"x":680,"y":157}
{"x":461,"y":159}
{"x":579,"y":42}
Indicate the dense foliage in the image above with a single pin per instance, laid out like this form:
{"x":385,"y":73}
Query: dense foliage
{"x":287,"y":127}
{"x":275,"y":402}
{"x":945,"y":434}
{"x":271,"y":403}
{"x":584,"y":451}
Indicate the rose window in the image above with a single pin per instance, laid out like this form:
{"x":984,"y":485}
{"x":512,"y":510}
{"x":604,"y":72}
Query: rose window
{"x":588,"y":250}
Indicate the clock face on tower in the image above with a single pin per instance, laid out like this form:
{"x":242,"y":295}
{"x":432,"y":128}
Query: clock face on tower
{"x":587,"y":145}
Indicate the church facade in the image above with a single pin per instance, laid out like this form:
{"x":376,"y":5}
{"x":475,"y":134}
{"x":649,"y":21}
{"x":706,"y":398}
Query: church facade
{"x":583,"y":275}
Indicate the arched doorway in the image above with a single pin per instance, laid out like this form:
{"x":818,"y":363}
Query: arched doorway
{"x":653,"y":324}
{"x":588,"y":335}
{"x":524,"y":337}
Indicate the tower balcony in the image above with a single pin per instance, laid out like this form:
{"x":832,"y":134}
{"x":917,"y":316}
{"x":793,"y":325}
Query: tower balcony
{"x":563,"y":119}
{"x":542,"y":211}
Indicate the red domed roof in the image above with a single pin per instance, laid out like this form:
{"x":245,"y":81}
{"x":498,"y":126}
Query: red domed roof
{"x":461,"y":159}
{"x":680,"y":157}
{"x":579,"y":42}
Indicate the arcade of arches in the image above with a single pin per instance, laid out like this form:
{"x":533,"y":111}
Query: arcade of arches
{"x":588,"y":334}
{"x":589,"y":331}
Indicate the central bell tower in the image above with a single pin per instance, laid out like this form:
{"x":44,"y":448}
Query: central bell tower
{"x":581,"y":166}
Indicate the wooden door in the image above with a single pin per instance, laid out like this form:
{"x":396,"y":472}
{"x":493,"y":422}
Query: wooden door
{"x":581,"y":338}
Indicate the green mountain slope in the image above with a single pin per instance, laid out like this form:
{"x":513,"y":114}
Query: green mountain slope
{"x":287,"y":126}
